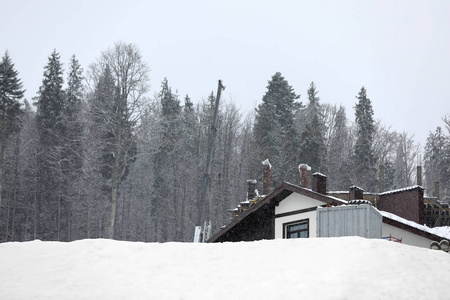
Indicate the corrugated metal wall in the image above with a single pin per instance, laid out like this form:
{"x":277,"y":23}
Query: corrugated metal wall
{"x":349,"y":220}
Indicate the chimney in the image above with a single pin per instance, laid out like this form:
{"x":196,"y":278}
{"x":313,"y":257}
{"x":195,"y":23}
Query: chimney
{"x":251,"y":192}
{"x":419,"y":170}
{"x":381,"y":179}
{"x":266,"y":176}
{"x":355,"y":193}
{"x":319,"y":183}
{"x":303,"y":169}
{"x":406,"y":203}
{"x":436,"y":189}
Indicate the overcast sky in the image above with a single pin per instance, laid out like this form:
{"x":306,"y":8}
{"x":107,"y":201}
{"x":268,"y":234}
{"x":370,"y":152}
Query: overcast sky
{"x":399,"y":50}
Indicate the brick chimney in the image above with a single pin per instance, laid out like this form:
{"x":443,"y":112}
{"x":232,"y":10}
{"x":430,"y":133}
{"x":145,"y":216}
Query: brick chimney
{"x":406,"y":203}
{"x":355,"y":193}
{"x":251,"y":192}
{"x":319,"y":183}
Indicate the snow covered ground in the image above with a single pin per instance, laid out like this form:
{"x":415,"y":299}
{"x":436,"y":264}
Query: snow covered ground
{"x":316,"y":268}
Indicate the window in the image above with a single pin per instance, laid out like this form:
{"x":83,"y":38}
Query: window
{"x":297,"y":229}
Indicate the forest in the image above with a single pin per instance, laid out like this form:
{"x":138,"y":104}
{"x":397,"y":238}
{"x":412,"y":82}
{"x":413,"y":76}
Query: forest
{"x":94,"y":155}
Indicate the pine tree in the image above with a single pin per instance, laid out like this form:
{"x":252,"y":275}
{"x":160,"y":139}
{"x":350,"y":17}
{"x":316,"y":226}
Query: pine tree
{"x":313,"y":148}
{"x":73,"y":113}
{"x":165,"y":200}
{"x":275,"y":135}
{"x":99,"y":142}
{"x":11,"y":93}
{"x":52,"y":129}
{"x":313,"y":108}
{"x":339,"y":152}
{"x":72,"y":156}
{"x":364,"y":160}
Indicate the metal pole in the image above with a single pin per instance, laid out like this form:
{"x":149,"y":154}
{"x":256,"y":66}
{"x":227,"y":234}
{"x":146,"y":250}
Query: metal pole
{"x":212,"y":138}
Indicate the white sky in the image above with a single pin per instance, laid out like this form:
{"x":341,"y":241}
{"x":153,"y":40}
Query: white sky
{"x":399,"y":50}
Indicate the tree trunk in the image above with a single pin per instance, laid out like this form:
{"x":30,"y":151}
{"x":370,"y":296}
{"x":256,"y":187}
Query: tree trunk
{"x":112,"y":216}
{"x":2,"y":155}
{"x":16,"y":179}
{"x":117,"y":174}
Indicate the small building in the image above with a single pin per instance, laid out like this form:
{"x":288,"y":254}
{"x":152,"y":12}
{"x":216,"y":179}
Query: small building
{"x":291,"y":211}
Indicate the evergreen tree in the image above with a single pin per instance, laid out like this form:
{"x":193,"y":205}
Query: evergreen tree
{"x":339,"y":152}
{"x":99,"y":142}
{"x":364,"y":160}
{"x":72,"y":156}
{"x":313,"y":108}
{"x":188,"y":105}
{"x":313,"y":148}
{"x":11,"y":93}
{"x":275,"y":135}
{"x":73,"y":114}
{"x":51,"y":128}
{"x":165,"y":200}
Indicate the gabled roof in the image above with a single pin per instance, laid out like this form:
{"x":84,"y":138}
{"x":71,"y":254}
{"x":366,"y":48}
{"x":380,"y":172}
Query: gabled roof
{"x":273,"y":199}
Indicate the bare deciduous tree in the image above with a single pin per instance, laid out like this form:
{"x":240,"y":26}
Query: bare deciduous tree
{"x":131,"y":82}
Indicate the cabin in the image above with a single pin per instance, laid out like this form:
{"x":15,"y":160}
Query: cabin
{"x":292,"y":211}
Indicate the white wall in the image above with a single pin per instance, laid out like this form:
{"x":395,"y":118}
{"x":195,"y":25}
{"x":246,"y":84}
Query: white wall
{"x":407,"y":237}
{"x":296,"y":202}
{"x":309,"y":215}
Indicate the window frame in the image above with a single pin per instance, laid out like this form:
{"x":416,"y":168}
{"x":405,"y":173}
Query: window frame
{"x":286,"y":226}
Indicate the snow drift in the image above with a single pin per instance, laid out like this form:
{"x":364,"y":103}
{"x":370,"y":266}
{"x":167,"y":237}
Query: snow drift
{"x":320,"y":268}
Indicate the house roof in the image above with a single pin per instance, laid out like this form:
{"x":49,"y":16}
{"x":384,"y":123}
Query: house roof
{"x":433,"y":234}
{"x":274,"y":198}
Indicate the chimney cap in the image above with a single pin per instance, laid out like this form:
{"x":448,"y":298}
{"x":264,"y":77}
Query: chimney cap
{"x":357,"y":188}
{"x":267,"y":163}
{"x":304,"y":167}
{"x":317,"y":174}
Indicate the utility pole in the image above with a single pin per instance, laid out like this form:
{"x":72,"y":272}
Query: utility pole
{"x":199,"y":235}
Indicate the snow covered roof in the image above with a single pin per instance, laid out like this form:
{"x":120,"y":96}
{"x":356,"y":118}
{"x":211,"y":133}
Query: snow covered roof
{"x":410,"y":188}
{"x":438,"y":232}
{"x":359,"y":201}
{"x":273,"y":198}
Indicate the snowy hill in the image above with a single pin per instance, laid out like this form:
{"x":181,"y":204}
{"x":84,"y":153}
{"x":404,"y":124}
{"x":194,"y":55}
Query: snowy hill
{"x":334,"y":268}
